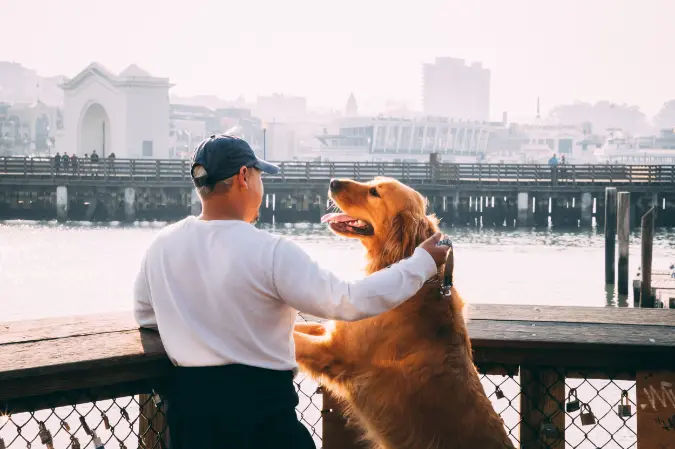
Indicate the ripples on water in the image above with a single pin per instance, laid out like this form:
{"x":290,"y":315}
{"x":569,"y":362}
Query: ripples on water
{"x":52,"y":269}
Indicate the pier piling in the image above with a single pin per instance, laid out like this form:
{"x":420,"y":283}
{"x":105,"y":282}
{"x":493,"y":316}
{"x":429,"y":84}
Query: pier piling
{"x":610,"y":235}
{"x":623,"y":231}
{"x":646,"y":297}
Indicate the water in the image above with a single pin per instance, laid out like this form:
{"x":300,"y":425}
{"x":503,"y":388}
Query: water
{"x":49,"y":269}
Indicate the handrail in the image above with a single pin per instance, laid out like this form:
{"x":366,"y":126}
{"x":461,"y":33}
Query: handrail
{"x":177,"y":171}
{"x":527,"y":355}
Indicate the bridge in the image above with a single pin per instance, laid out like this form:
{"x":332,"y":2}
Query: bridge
{"x":474,"y":194}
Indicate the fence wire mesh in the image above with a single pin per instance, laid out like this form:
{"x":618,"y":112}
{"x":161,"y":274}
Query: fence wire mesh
{"x":547,"y":409}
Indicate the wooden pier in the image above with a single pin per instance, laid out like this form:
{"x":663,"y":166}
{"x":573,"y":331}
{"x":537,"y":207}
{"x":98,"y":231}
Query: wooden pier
{"x":103,"y":368}
{"x":492,"y":195}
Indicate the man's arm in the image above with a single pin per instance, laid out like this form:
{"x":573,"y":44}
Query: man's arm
{"x":301,"y":283}
{"x":143,"y":311}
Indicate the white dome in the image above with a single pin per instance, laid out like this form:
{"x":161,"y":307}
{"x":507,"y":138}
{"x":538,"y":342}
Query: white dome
{"x":134,"y":71}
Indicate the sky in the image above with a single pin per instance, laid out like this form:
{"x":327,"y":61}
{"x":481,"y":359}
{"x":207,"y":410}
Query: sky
{"x":561,"y":51}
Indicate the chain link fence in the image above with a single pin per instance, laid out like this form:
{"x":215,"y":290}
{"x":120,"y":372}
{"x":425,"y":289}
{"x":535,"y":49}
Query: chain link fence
{"x":560,"y":412}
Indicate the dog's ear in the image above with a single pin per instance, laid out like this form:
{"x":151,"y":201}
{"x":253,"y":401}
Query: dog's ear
{"x":406,"y":233}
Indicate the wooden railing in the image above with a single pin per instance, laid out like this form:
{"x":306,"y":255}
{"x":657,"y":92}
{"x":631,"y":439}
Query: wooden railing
{"x":173,"y":171}
{"x":104,"y":370}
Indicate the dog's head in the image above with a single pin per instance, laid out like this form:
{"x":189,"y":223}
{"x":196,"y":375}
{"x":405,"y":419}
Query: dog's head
{"x":388,"y":217}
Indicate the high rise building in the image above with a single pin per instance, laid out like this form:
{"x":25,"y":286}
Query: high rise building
{"x":456,"y":90}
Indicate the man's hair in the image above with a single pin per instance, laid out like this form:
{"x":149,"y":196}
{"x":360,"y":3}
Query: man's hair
{"x":223,"y":186}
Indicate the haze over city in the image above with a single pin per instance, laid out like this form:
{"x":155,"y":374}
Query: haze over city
{"x":563,"y":52}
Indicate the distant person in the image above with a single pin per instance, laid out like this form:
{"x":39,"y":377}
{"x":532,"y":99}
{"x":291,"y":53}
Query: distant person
{"x":66,"y":161}
{"x":111,"y":162}
{"x":94,"y":161}
{"x":73,"y":162}
{"x":562,"y":159}
{"x":224,"y":296}
{"x":57,"y":162}
{"x":553,"y":163}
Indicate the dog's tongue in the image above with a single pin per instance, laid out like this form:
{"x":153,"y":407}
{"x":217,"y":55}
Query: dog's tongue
{"x":336,"y":217}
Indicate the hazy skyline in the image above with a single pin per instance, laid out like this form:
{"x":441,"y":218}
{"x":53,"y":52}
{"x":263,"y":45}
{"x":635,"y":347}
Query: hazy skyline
{"x":561,"y":51}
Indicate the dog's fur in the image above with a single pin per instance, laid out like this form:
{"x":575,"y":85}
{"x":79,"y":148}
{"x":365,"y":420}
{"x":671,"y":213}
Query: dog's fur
{"x":407,"y":375}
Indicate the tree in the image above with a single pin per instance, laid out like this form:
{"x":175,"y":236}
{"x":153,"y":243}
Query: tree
{"x":601,"y":116}
{"x":665,"y":119}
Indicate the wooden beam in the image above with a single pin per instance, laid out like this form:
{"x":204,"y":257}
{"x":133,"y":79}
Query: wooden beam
{"x":542,"y":415}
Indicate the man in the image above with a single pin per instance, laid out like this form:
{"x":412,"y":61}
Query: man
{"x":224,"y":296}
{"x":553,"y":163}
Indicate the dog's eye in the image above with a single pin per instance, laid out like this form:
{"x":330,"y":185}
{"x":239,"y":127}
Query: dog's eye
{"x":373,"y":191}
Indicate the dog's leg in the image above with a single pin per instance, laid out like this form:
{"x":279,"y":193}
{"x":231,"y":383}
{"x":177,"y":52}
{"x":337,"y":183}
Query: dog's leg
{"x":317,"y":329}
{"x":320,"y":357}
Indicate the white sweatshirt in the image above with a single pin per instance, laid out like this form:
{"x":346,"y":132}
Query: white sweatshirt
{"x":223,"y":292}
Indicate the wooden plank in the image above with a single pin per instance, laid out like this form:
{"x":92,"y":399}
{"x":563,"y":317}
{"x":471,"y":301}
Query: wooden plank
{"x":571,"y":335}
{"x":47,"y":357}
{"x":153,"y":428}
{"x":61,"y":327}
{"x":563,"y":314}
{"x":64,"y":354}
{"x":655,"y":410}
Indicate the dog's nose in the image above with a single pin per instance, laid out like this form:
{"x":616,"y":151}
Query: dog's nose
{"x":335,"y":185}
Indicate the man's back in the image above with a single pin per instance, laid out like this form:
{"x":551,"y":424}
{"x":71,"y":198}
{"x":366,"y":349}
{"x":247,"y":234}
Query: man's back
{"x":213,"y":295}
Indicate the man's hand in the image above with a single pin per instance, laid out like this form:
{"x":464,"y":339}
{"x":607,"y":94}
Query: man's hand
{"x":438,"y":253}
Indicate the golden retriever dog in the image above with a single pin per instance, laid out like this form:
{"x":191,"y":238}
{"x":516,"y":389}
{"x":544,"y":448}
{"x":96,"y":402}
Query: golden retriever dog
{"x":407,"y":375}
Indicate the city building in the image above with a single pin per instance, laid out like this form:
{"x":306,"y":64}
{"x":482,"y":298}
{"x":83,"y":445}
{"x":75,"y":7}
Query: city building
{"x":455,"y":90}
{"x":402,"y":140}
{"x":125,"y":114}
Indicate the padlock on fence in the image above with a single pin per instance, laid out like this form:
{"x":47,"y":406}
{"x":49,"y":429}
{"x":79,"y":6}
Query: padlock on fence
{"x":587,"y":416}
{"x":106,"y":421}
{"x":122,"y":446}
{"x":549,"y":431}
{"x":156,"y":399}
{"x":85,"y":426}
{"x":2,"y":444}
{"x":573,"y":403}
{"x":45,"y":436}
{"x":124,"y":414}
{"x":624,"y":409}
{"x":499,"y":393}
{"x":74,"y":442}
{"x":65,"y":426}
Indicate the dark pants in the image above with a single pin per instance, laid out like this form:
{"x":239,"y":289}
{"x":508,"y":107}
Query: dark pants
{"x":234,"y":407}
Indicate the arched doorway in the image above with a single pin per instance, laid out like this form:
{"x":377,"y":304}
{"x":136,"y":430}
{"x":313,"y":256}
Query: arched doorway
{"x":95,"y":131}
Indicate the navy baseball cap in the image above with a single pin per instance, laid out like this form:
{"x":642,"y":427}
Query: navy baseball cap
{"x":223,"y":156}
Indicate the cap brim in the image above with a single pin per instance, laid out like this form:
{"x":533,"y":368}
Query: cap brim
{"x":266,"y":167}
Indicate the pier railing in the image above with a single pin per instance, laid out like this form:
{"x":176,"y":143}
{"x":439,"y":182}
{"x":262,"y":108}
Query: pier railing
{"x":174,"y":171}
{"x":556,"y":375}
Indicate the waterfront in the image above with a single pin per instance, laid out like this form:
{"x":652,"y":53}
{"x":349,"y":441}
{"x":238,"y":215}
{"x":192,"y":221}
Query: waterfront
{"x":49,"y":269}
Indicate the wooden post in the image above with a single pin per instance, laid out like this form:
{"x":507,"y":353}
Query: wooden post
{"x":610,"y":235}
{"x":623,"y":231}
{"x":542,"y":399}
{"x":646,"y":297}
{"x":153,"y":431}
